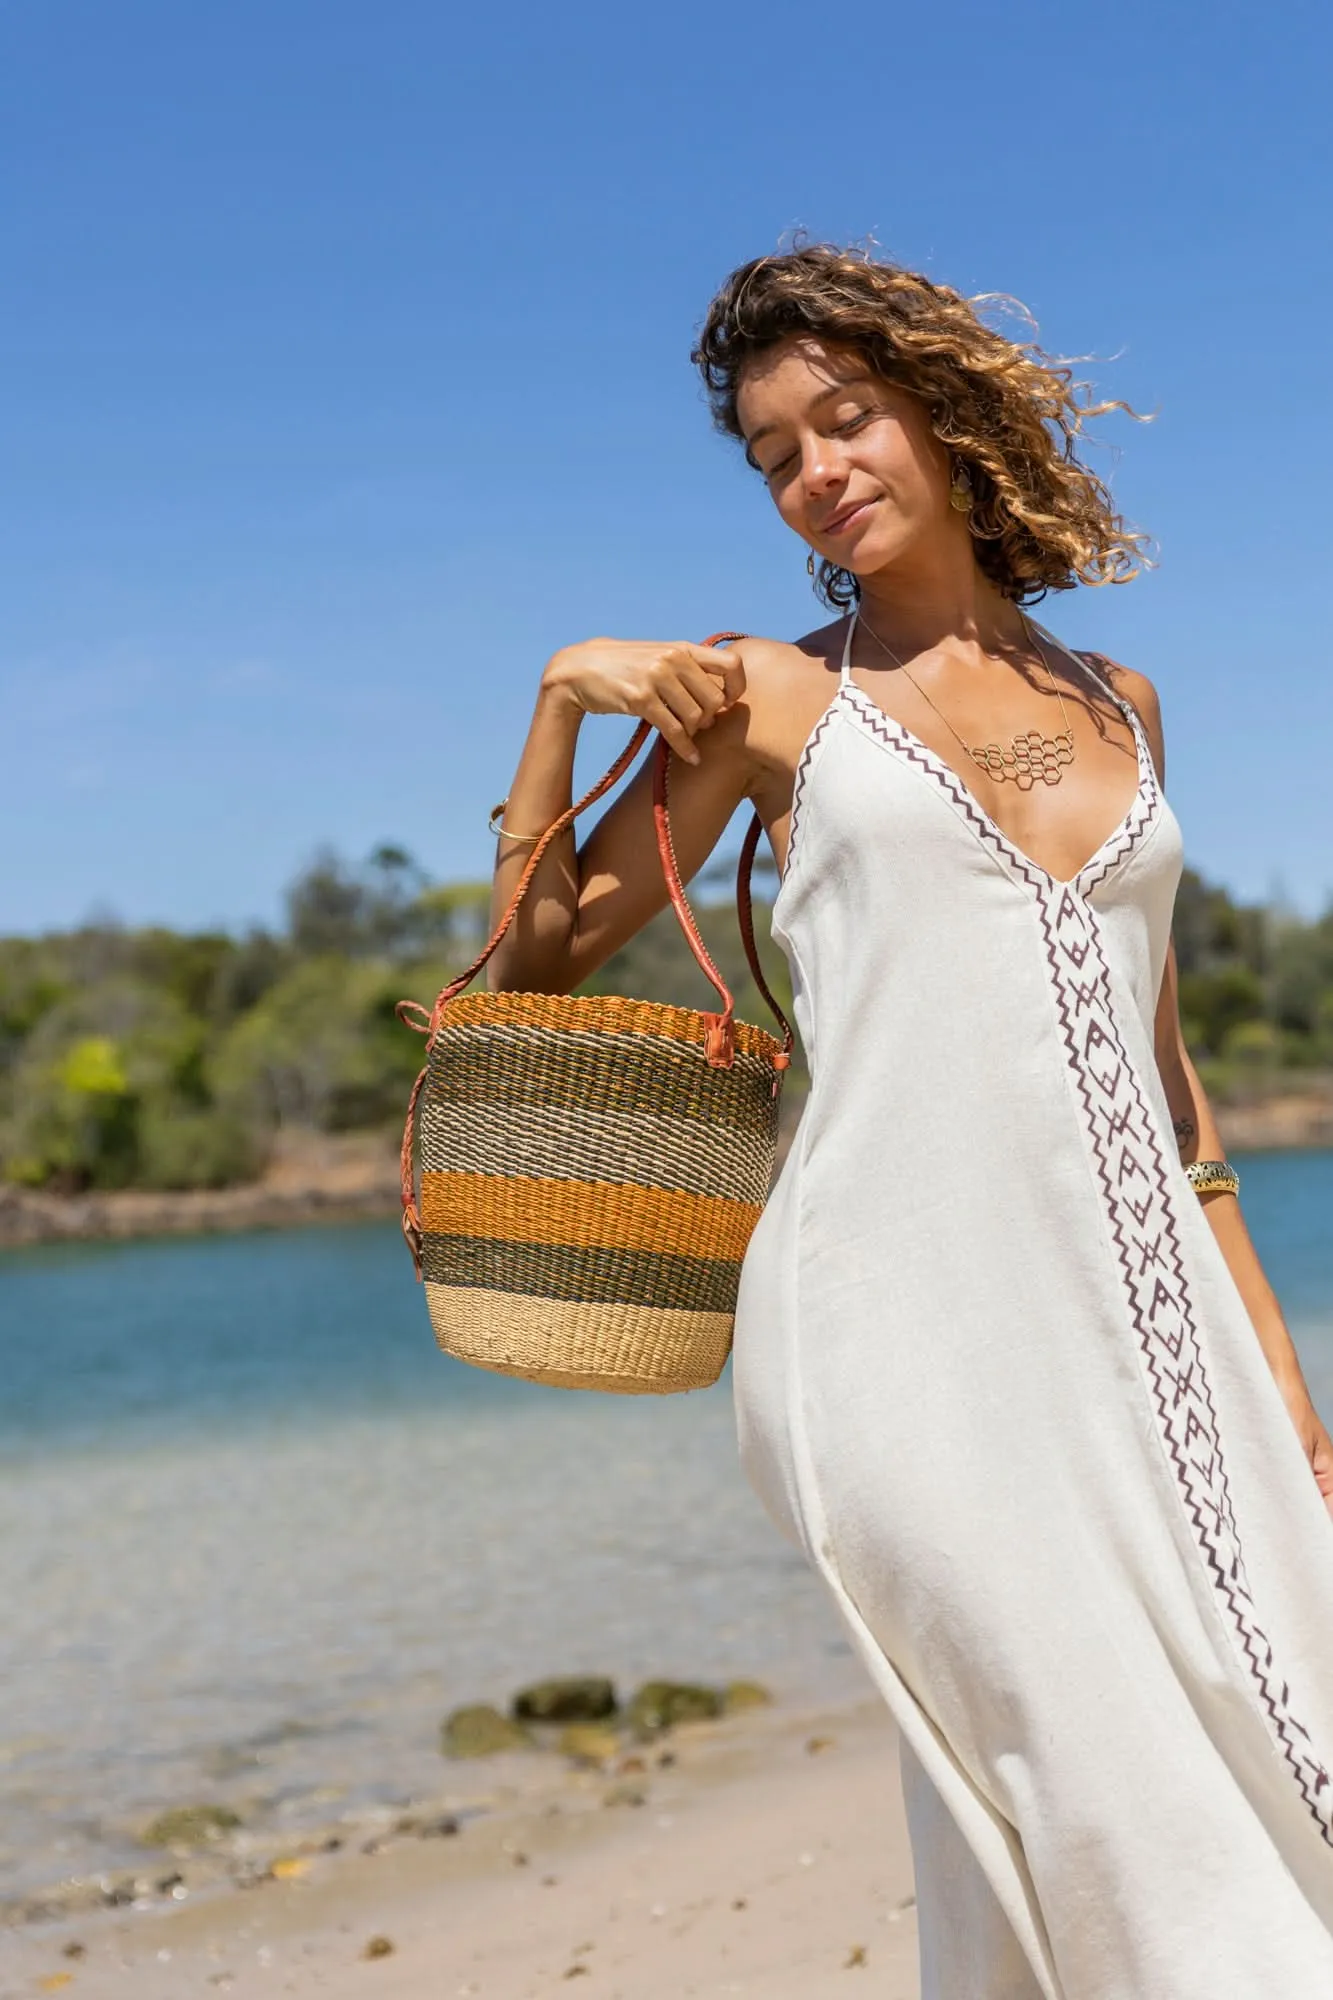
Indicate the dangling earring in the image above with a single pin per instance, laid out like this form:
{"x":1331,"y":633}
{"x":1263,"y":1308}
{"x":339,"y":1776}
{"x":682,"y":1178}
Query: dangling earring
{"x":960,"y":490}
{"x":810,"y":563}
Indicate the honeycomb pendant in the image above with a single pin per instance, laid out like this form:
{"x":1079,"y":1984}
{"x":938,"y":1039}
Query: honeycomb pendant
{"x":1031,"y":757}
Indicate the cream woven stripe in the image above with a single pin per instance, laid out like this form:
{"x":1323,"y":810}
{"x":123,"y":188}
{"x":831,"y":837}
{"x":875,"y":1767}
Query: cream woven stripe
{"x":630,"y":1350}
{"x":513,"y":1047}
{"x":684,"y":1155}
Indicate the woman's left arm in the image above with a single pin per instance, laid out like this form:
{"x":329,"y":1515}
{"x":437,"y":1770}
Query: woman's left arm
{"x":1198,"y":1138}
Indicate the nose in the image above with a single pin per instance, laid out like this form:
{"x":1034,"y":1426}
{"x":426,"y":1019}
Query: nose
{"x":822,"y":466}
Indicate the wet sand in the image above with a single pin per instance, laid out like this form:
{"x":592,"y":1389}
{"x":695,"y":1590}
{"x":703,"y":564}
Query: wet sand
{"x":762,"y":1855}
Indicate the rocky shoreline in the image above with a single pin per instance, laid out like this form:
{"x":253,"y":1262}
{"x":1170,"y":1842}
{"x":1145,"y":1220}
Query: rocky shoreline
{"x":1283,"y":1122}
{"x":321,"y":1177}
{"x":547,"y":1734}
{"x":311,"y":1177}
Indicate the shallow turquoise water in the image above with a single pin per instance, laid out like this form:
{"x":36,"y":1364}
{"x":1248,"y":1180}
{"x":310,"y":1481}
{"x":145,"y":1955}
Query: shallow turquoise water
{"x":257,"y":1534}
{"x":112,"y":1343}
{"x":109,"y":1344}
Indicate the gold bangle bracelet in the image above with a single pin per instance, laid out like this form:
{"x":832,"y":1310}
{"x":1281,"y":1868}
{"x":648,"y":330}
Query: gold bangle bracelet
{"x":497,"y":827}
{"x":1213,"y":1177}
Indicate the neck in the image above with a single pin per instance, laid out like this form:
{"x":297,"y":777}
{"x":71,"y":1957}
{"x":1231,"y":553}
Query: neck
{"x":939,"y":597}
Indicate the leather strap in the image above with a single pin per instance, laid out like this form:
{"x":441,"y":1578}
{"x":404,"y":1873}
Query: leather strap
{"x":745,"y":917}
{"x":720,"y":1041}
{"x":428,"y":1024}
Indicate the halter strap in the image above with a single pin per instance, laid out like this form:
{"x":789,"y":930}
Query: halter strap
{"x":845,"y":674}
{"x":1098,"y":675}
{"x":1081,"y":660}
{"x":1085,"y":661}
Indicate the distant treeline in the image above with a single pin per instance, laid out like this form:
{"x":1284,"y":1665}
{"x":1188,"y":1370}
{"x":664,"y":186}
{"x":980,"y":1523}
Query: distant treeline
{"x":162,"y":1059}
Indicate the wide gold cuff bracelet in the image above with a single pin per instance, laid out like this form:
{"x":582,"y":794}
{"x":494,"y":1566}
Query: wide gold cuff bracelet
{"x":1213,"y":1177}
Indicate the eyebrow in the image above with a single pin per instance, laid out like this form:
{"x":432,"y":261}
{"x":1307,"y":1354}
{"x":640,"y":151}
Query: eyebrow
{"x":834,"y":389}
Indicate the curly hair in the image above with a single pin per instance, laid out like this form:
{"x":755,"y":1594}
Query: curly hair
{"x":1008,"y":412}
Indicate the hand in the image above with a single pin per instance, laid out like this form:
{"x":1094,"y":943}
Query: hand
{"x":679,"y":688}
{"x":1316,"y":1444}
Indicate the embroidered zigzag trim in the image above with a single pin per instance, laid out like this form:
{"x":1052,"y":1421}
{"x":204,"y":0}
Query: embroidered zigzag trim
{"x":801,"y":779}
{"x":1108,"y":857}
{"x":875,"y":719}
{"x":1131,"y":1169}
{"x":1140,"y":813}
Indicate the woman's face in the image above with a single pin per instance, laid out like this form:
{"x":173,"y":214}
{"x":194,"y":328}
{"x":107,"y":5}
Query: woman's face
{"x":851,"y":462}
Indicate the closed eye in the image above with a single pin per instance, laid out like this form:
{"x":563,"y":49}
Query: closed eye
{"x":781,"y":466}
{"x":853,"y":423}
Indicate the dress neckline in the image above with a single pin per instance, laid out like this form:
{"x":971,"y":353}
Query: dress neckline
{"x":896,"y":735}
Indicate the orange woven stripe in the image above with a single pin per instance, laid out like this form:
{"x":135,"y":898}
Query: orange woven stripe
{"x":587,"y":1213}
{"x":601,"y":1013}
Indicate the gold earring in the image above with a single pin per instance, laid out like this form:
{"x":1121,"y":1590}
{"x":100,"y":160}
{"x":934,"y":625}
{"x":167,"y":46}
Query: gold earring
{"x":810,"y":563}
{"x":960,"y":490}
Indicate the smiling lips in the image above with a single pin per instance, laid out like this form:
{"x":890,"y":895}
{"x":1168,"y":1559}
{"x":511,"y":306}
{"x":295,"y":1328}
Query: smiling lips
{"x":841,"y":522}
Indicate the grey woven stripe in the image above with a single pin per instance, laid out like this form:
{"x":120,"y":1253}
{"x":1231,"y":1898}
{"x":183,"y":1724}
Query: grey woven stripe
{"x":598,"y":1276}
{"x":473,"y":1065}
{"x":594,"y":1143}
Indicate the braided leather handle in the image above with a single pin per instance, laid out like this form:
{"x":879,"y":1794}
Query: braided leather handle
{"x":720,"y":1040}
{"x":745,"y":917}
{"x":719,"y":1045}
{"x":406,"y":1009}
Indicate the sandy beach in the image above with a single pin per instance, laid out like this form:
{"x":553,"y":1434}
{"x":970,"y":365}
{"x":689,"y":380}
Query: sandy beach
{"x":764,"y":1854}
{"x":260,"y":1544}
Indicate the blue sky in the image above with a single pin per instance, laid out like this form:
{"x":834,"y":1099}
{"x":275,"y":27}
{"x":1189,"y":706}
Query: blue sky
{"x":345,"y":375}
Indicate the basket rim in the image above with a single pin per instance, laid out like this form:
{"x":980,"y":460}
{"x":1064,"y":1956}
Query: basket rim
{"x":583,"y":1009}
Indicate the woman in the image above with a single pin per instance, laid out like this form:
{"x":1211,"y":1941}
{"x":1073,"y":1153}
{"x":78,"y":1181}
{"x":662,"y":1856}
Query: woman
{"x":1016,"y":1386}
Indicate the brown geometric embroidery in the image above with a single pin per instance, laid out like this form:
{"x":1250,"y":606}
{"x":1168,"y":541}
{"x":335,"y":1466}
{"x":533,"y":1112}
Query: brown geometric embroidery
{"x":1131,"y":1169}
{"x":1113,"y":850}
{"x":1139,"y":1198}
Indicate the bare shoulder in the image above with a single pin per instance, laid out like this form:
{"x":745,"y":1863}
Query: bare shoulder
{"x":788,"y":683}
{"x":784,"y":655}
{"x":1138,"y":691}
{"x":1142,"y":696}
{"x":775,"y":667}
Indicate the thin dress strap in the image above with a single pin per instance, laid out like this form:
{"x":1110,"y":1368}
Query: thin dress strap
{"x":1103,"y":683}
{"x":1083,"y":661}
{"x":845,"y":676}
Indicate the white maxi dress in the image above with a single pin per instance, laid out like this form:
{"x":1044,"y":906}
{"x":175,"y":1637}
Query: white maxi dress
{"x":993,"y":1377}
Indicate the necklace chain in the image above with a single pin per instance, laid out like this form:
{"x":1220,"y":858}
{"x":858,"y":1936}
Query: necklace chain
{"x":1031,"y":755}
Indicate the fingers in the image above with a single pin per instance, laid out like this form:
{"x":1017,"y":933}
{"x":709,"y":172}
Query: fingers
{"x":707,"y":694}
{"x":691,"y":716}
{"x":723,"y":663}
{"x":679,"y":688}
{"x":690,"y":685}
{"x":665,"y":719}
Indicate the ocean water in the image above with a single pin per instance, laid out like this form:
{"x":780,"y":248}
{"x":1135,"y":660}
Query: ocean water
{"x":257,"y":1535}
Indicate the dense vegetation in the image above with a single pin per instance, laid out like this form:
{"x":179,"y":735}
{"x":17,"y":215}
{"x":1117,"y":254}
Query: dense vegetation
{"x":156,"y":1059}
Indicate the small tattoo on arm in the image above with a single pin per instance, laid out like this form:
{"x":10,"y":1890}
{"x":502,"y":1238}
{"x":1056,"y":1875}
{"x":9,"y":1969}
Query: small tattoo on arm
{"x":1185,"y":1129}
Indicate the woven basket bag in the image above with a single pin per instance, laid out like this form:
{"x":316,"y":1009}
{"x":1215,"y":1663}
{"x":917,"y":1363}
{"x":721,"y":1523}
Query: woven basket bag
{"x":591,"y":1167}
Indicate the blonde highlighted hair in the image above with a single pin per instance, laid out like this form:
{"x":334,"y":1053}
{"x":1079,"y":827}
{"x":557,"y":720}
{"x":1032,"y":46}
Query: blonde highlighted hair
{"x":1008,"y":412}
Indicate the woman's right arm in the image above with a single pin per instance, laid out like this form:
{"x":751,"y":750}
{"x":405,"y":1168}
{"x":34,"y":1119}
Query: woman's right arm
{"x":584,"y":903}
